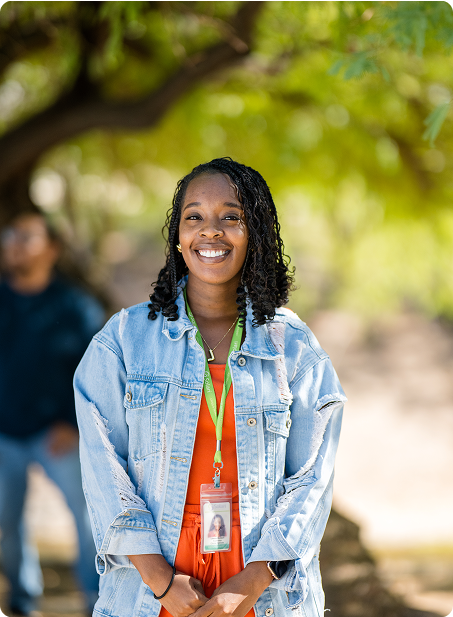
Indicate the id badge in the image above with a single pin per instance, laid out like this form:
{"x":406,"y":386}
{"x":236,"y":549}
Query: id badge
{"x":215,"y":506}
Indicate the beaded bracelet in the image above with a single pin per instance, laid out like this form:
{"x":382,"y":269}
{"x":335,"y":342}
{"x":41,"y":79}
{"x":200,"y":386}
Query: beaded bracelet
{"x":169,"y":585}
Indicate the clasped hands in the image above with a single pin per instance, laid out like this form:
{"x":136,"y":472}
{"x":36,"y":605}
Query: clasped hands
{"x":235,"y":597}
{"x":186,"y":598}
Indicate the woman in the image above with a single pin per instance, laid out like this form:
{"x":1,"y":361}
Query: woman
{"x":217,"y":528}
{"x":145,"y":398}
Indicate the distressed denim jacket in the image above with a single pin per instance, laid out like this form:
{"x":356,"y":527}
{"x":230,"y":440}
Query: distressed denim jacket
{"x":138,"y":393}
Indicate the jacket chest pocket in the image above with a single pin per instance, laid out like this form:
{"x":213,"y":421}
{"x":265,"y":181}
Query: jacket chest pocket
{"x":145,"y":405}
{"x":278,"y":422}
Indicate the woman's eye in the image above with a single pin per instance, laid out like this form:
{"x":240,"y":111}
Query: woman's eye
{"x":232,"y":217}
{"x":193,"y":217}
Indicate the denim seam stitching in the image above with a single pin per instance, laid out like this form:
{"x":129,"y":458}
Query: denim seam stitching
{"x":298,"y":377}
{"x":100,"y":340}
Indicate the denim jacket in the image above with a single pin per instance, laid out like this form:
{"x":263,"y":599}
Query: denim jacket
{"x":138,"y":393}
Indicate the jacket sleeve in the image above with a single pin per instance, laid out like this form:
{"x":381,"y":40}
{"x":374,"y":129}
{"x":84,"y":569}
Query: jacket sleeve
{"x":294,"y":531}
{"x":121,"y":523}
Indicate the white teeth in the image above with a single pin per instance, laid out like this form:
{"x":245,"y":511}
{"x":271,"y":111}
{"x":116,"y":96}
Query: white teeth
{"x":212,"y":253}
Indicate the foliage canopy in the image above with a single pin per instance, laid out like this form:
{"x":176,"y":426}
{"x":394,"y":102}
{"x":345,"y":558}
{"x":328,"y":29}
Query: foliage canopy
{"x":342,"y":106}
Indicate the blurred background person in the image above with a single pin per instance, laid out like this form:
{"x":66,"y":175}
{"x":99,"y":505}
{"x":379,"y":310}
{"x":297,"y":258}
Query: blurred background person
{"x":45,"y":326}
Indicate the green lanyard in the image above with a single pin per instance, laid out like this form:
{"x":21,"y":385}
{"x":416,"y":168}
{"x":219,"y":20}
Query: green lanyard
{"x":209,"y":388}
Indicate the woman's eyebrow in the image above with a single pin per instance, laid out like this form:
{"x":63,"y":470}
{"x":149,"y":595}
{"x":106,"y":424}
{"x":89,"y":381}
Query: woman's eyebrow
{"x":229,"y":204}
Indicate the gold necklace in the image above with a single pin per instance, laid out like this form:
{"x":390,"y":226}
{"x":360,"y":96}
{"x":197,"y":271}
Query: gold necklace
{"x":211,"y":351}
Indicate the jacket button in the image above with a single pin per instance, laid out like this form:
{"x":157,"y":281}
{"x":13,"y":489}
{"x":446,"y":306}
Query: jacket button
{"x":253,"y":485}
{"x":269,"y":611}
{"x":251,"y":422}
{"x":288,"y":424}
{"x":128,"y":397}
{"x":242,"y":361}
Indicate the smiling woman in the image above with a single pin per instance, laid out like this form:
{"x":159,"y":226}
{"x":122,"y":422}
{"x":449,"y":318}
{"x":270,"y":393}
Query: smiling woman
{"x":156,"y":421}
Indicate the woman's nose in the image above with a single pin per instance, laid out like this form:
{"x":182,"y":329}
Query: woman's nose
{"x":211,"y":230}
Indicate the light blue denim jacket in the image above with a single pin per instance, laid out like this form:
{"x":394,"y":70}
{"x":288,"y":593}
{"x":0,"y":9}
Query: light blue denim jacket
{"x":138,"y":393}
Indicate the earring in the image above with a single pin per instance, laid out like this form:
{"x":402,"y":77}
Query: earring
{"x":178,"y":246}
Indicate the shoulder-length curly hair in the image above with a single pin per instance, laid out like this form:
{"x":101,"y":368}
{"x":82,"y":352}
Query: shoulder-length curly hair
{"x":266,"y":278}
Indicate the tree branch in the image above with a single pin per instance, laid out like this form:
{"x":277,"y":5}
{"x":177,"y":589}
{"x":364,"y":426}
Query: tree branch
{"x":78,"y":112}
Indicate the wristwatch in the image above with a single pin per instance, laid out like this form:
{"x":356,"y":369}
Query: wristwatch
{"x":277,"y":568}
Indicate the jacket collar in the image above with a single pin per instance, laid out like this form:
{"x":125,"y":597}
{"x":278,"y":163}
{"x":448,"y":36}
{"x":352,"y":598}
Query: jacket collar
{"x":257,"y":340}
{"x":174,"y":330}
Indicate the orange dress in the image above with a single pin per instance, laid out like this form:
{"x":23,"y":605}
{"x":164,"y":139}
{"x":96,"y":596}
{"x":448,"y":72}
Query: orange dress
{"x":211,"y":569}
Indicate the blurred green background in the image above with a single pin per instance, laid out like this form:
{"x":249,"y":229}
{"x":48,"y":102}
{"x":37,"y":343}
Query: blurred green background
{"x":328,"y":100}
{"x":345,"y":109}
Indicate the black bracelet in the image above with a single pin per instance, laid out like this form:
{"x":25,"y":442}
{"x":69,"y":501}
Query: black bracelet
{"x":169,"y":585}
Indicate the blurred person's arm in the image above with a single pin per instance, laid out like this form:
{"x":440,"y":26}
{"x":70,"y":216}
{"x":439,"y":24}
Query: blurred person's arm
{"x":85,"y":317}
{"x":62,"y":438}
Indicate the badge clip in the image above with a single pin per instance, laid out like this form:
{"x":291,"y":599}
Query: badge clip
{"x":216,"y":476}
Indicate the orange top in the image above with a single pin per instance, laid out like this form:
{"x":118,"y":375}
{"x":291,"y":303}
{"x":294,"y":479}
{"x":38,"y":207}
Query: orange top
{"x":211,"y":569}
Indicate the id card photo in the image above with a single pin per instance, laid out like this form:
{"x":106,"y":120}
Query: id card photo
{"x":217,"y":526}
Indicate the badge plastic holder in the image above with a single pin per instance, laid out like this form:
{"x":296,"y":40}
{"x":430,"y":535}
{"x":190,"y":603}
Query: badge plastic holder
{"x":216,"y":519}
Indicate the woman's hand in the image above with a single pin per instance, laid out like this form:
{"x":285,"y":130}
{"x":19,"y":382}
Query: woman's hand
{"x":186,"y":593}
{"x":185,"y":596}
{"x":236,"y":596}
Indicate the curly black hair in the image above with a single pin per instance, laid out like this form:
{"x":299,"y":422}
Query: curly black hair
{"x":266,"y":278}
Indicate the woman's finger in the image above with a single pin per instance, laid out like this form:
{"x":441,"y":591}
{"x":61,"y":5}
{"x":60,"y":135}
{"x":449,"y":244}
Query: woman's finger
{"x":205,"y":611}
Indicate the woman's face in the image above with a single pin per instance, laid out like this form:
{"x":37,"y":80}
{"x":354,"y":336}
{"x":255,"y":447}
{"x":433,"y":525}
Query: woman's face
{"x":217,"y":523}
{"x":212,"y":230}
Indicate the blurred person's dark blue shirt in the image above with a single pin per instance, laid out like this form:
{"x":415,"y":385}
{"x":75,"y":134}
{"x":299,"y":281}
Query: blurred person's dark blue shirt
{"x":42,"y":339}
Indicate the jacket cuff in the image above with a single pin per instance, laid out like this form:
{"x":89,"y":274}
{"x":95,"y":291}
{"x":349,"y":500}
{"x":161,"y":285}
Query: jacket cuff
{"x":131,"y":532}
{"x":274,"y":547}
{"x":294,"y":583}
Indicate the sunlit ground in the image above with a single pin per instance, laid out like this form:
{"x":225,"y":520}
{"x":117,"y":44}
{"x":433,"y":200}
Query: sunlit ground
{"x":424,"y":577}
{"x":394,"y":472}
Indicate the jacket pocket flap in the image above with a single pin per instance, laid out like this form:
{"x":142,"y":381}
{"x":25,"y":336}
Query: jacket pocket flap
{"x":278,"y":422}
{"x":144,"y":394}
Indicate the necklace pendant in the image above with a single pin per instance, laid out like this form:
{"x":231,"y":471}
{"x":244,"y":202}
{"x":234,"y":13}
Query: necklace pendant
{"x":211,"y":356}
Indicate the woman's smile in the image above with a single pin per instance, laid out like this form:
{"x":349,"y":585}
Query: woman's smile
{"x":212,"y":254}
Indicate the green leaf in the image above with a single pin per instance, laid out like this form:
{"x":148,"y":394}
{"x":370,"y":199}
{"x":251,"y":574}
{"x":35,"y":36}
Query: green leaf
{"x":434,"y":122}
{"x":385,"y":74}
{"x":335,"y":68}
{"x":362,"y":64}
